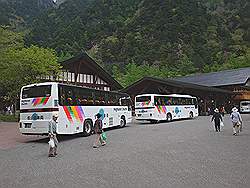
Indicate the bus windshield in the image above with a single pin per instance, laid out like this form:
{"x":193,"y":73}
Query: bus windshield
{"x":36,"y":91}
{"x":245,"y":103}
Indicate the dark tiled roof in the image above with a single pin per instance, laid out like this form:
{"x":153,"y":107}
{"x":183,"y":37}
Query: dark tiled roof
{"x":175,"y":83}
{"x":221,"y":78}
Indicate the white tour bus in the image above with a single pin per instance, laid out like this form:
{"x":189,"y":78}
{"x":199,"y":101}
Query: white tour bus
{"x":76,"y":107}
{"x":245,"y":106}
{"x":155,"y":107}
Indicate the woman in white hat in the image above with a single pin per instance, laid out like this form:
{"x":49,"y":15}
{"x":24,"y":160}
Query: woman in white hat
{"x":236,"y":120}
{"x":217,"y":118}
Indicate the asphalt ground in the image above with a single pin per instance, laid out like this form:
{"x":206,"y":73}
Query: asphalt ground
{"x":184,"y":153}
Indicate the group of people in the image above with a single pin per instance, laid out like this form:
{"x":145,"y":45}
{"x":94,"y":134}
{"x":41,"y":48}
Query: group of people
{"x":235,"y":118}
{"x":98,"y":129}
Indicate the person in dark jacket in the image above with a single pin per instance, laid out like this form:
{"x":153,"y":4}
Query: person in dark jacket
{"x":217,"y":118}
{"x":98,"y":131}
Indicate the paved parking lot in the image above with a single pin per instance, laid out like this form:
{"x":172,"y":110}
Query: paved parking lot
{"x":177,"y":154}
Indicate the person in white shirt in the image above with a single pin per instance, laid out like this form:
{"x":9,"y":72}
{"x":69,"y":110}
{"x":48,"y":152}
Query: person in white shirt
{"x":236,"y":120}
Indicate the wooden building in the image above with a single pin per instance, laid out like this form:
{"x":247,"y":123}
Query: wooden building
{"x":82,"y":70}
{"x":236,"y":80}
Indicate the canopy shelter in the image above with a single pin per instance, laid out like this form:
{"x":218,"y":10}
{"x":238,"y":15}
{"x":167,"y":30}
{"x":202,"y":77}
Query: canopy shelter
{"x":207,"y":96}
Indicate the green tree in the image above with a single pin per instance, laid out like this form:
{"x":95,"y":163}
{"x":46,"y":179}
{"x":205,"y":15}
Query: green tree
{"x":19,"y":67}
{"x":10,"y":39}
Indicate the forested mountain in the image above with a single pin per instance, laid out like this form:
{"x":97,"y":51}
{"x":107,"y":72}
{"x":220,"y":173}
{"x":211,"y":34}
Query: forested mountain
{"x":22,"y":12}
{"x":152,"y":37}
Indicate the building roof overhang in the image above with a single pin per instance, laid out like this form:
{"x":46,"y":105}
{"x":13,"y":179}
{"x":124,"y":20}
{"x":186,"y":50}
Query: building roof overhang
{"x":152,"y":83}
{"x":75,"y":64}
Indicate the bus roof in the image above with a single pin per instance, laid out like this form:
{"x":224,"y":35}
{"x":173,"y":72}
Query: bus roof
{"x":40,"y":84}
{"x":170,"y":95}
{"x":58,"y":83}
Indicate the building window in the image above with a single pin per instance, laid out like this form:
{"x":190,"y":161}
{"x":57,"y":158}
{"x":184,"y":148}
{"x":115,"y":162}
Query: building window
{"x":91,"y":79}
{"x":84,"y":78}
{"x":60,"y":77}
{"x":73,"y":77}
{"x":69,"y":77}
{"x":65,"y":76}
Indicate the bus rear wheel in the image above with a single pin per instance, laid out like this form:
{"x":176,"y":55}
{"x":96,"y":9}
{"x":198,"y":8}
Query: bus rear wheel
{"x":87,"y":127}
{"x":191,"y":115}
{"x":169,"y":117}
{"x":122,"y":122}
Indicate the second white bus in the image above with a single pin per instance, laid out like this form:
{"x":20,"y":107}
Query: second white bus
{"x":155,"y":107}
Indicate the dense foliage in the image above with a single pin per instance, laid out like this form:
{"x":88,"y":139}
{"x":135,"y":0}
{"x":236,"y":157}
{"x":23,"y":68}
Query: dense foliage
{"x":20,"y":66}
{"x":134,"y":38}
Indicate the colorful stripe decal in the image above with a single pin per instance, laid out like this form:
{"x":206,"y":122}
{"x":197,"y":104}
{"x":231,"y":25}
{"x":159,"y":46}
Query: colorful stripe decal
{"x":158,"y":109}
{"x":80,"y":112}
{"x":162,"y":109}
{"x":146,"y":103}
{"x":40,"y":100}
{"x":74,"y":112}
{"x":46,"y":100}
{"x":67,"y":113}
{"x":33,"y":100}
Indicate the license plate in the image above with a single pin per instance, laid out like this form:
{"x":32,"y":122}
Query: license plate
{"x":27,"y":125}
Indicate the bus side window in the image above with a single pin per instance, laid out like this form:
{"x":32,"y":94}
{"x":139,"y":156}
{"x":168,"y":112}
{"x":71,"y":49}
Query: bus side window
{"x":90,"y":101}
{"x":63,"y":99}
{"x":163,"y":101}
{"x":156,"y":101}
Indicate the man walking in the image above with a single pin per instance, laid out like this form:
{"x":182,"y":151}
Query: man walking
{"x":52,"y":135}
{"x":217,"y":119}
{"x":236,"y":120}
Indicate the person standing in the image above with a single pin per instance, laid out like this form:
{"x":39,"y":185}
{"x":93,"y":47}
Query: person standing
{"x":217,"y":118}
{"x":52,"y":135}
{"x":222,"y":111}
{"x":236,"y":120}
{"x":98,"y":130}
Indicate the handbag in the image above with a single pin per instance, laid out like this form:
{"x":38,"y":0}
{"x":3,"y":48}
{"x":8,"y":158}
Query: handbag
{"x":51,"y":143}
{"x":221,"y":124}
{"x":104,"y":136}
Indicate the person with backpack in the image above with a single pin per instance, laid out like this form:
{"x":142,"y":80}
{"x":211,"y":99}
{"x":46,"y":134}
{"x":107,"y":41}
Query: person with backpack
{"x":98,"y":130}
{"x":236,"y":120}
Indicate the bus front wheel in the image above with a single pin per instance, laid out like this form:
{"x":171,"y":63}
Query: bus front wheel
{"x":87,"y":127}
{"x":191,"y":115}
